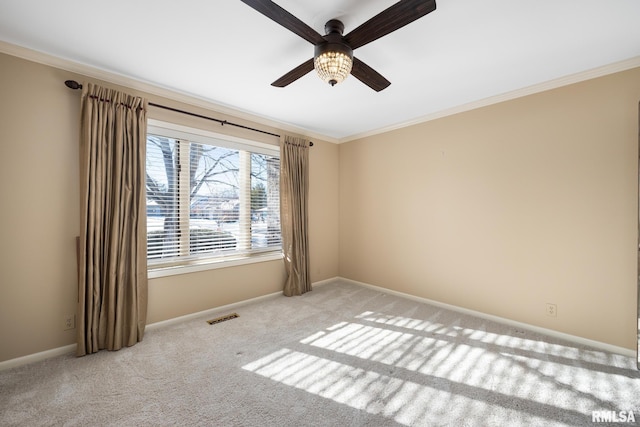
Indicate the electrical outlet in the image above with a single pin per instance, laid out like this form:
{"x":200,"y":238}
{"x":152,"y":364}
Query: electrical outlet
{"x":552,"y":310}
{"x":69,"y":322}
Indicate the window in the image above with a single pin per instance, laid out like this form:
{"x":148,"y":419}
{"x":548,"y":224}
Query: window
{"x":210,"y":198}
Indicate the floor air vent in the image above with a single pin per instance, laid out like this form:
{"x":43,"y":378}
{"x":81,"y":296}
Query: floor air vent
{"x":222,"y":318}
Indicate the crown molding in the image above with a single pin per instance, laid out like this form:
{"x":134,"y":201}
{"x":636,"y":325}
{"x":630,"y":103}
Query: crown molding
{"x":154,"y":89}
{"x":190,"y":99}
{"x":519,"y":93}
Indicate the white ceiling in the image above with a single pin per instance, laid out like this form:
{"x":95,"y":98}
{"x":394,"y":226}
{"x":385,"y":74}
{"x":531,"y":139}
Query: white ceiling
{"x":227,"y":53}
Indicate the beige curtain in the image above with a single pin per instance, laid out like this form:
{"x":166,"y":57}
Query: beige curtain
{"x":112,"y":283}
{"x":294,"y":196}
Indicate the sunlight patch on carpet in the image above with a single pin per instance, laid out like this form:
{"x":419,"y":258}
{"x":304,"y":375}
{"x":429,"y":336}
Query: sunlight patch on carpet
{"x":420,"y":371}
{"x":372,"y":392}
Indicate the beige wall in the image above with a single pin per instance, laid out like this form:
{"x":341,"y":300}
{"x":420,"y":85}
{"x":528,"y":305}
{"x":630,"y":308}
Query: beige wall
{"x":39,"y":126}
{"x":500,"y":210}
{"x":506,"y":208}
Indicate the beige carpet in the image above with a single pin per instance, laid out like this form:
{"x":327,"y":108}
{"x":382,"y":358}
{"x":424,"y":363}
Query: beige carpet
{"x":341,"y":355}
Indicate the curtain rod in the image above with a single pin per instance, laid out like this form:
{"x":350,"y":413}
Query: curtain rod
{"x":72,"y":84}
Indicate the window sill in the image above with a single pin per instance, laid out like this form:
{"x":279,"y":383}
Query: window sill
{"x":155,"y":272}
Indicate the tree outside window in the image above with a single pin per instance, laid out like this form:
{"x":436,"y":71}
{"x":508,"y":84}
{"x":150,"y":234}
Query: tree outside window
{"x":209,"y":201}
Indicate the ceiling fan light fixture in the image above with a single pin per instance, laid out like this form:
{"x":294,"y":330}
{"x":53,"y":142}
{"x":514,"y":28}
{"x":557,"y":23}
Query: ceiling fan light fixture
{"x":333,"y":67}
{"x":333,"y":62}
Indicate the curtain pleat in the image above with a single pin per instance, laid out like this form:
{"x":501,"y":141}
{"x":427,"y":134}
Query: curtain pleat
{"x":294,"y":200}
{"x":112,"y":282}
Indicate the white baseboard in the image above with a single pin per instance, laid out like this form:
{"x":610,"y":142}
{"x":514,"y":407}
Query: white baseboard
{"x":216,"y":310}
{"x":43,"y":355}
{"x":520,"y":325}
{"x":37,"y":357}
{"x":209,"y":312}
{"x":326,"y":281}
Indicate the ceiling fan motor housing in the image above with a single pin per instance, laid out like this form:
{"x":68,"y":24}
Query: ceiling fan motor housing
{"x":333,"y":43}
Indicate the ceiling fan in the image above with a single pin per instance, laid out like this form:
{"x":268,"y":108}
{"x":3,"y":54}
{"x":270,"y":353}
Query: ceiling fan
{"x":333,"y":57}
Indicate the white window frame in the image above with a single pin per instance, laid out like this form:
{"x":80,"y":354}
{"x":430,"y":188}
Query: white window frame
{"x":191,"y":134}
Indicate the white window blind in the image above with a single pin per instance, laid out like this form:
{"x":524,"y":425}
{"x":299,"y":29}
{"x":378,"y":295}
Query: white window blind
{"x":209,"y":198}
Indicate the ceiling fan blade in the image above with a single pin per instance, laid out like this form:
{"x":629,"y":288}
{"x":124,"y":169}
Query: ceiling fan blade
{"x":284,"y":18}
{"x":294,"y":74}
{"x":368,"y":75}
{"x":397,"y":16}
